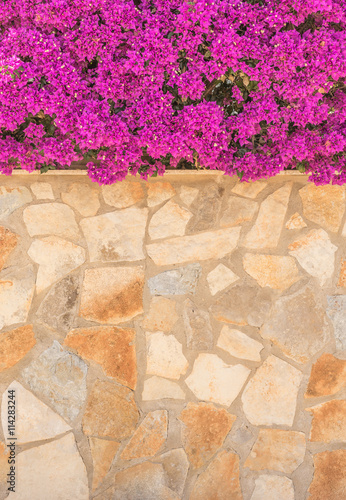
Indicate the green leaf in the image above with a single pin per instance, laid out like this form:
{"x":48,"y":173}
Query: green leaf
{"x":46,"y":167}
{"x":240,"y":174}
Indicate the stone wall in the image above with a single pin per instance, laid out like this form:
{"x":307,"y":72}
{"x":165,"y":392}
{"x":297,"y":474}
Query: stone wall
{"x":183,"y":338}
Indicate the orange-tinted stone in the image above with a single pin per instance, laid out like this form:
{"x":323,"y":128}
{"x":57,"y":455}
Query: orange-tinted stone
{"x":123,"y":194}
{"x":149,"y":437}
{"x":329,"y":422}
{"x":162,"y":315}
{"x":159,"y":192}
{"x":342,"y":275}
{"x":324,"y":205}
{"x":295,"y":222}
{"x":8,"y":242}
{"x":328,"y":376}
{"x":102,"y":452}
{"x":14,"y":345}
{"x":276,"y":271}
{"x":329,"y":482}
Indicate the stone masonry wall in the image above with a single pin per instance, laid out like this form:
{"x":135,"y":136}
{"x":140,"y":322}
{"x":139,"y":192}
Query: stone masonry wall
{"x":183,"y":338}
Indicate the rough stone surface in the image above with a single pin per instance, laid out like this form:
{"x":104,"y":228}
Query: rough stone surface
{"x":103,"y":453}
{"x":42,"y":191}
{"x":277,"y":450}
{"x":176,"y":466}
{"x":276,"y":271}
{"x":315,"y":253}
{"x":156,"y":388}
{"x":60,"y":377}
{"x":239,"y":210}
{"x":13,"y":198}
{"x":342,"y":275}
{"x":188,"y":194}
{"x":204,"y":246}
{"x":83,"y":198}
{"x":220,"y":278}
{"x":51,"y":218}
{"x":123,"y":194}
{"x":8,"y":242}
{"x":295,"y":222}
{"x":14,"y":345}
{"x":198,"y":329}
{"x":112,"y":294}
{"x":337,"y":313}
{"x":329,"y":421}
{"x":4,"y":455}
{"x":328,"y":376}
{"x":116,"y":236}
{"x":111,"y":411}
{"x":149,"y":437}
{"x":329,"y":481}
{"x":267,"y":229}
{"x":297,"y":324}
{"x":176,"y":281}
{"x":208,"y":205}
{"x":204,"y":430}
{"x":249,"y":189}
{"x":16,"y":292}
{"x":324,"y":205}
{"x":239,"y":345}
{"x":273,"y":488}
{"x":159,"y":192}
{"x":220,"y":480}
{"x":270,"y":397}
{"x":170,"y":220}
{"x":165,"y":356}
{"x":161,"y":316}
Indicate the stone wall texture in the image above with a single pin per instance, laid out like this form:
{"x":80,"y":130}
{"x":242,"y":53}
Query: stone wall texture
{"x":182,"y":338}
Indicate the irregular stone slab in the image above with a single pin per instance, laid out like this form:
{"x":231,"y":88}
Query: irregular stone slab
{"x":14,"y":345}
{"x":243,"y":305}
{"x":4,"y":465}
{"x":276,"y":449}
{"x":204,"y":431}
{"x":188,"y":194}
{"x":165,"y":356}
{"x":249,"y":189}
{"x":324,"y":205}
{"x":13,"y":198}
{"x":176,"y":281}
{"x":162,"y":315}
{"x":275,"y":271}
{"x":295,"y":222}
{"x":111,"y":411}
{"x":159,"y":192}
{"x":102,"y":452}
{"x":42,"y":191}
{"x":270,"y":397}
{"x":213,"y":380}
{"x":315,"y":253}
{"x":149,"y":437}
{"x":273,"y":487}
{"x":329,"y":421}
{"x":208,"y":205}
{"x":238,"y":211}
{"x":220,"y":278}
{"x":342,"y":275}
{"x":60,"y":377}
{"x":160,"y":388}
{"x":337,"y":313}
{"x":56,"y":258}
{"x":344,"y":230}
{"x":16,"y":291}
{"x":51,"y":218}
{"x":58,"y":309}
{"x":239,"y":345}
{"x":83,"y":198}
{"x":116,"y":236}
{"x":328,"y":376}
{"x":204,"y":246}
{"x":267,"y":229}
{"x":170,"y":220}
{"x":112,"y":294}
{"x":297,"y":324}
{"x":34,"y":420}
{"x":54,"y":470}
{"x":8,"y":242}
{"x":329,"y":481}
{"x":112,"y":347}
{"x":176,"y":466}
{"x":123,"y":194}
{"x":198,"y":329}
{"x":220,"y":479}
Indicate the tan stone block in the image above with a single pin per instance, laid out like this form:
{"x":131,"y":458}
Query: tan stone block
{"x":295,"y":222}
{"x":238,"y":211}
{"x":220,"y":278}
{"x":149,"y":437}
{"x":17,"y":288}
{"x":83,"y":198}
{"x":42,"y":191}
{"x":239,"y":345}
{"x":112,"y":347}
{"x":324,"y":205}
{"x":342,"y":276}
{"x":8,"y":242}
{"x":329,"y":421}
{"x":102,"y":452}
{"x":329,"y":481}
{"x":156,"y":388}
{"x":14,"y":345}
{"x":249,"y":189}
{"x":170,"y":220}
{"x":188,"y":194}
{"x":275,"y":271}
{"x":123,"y":194}
{"x":272,"y":487}
{"x":328,"y":376}
{"x":165,"y":356}
{"x":13,"y":198}
{"x":161,"y":316}
{"x":207,"y":208}
{"x":204,"y":431}
{"x":198,"y":329}
{"x":51,"y":218}
{"x":159,"y":192}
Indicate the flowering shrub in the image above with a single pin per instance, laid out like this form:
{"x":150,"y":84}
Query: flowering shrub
{"x":249,"y":87}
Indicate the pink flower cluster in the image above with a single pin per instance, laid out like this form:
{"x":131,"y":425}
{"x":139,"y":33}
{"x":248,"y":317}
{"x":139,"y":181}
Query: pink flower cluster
{"x":248,"y":87}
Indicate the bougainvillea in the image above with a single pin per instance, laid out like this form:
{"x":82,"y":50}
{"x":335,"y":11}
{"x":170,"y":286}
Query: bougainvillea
{"x":249,"y":87}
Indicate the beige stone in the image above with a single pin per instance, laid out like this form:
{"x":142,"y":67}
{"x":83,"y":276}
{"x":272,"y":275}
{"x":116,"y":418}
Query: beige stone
{"x":275,"y":271}
{"x":4,"y":465}
{"x":112,"y":294}
{"x":343,"y":233}
{"x":188,"y":194}
{"x":8,"y":242}
{"x":328,"y":376}
{"x":149,"y":437}
{"x":198,"y":329}
{"x":329,"y":481}
{"x":156,"y":388}
{"x":16,"y":292}
{"x":315,"y":253}
{"x":111,"y":411}
{"x":342,"y":275}
{"x":42,"y":191}
{"x":204,"y":430}
{"x":239,"y":210}
{"x":278,"y":450}
{"x":112,"y":347}
{"x":103,"y":453}
{"x":13,"y":198}
{"x":295,"y":222}
{"x":273,"y":488}
{"x":220,"y":278}
{"x":14,"y":345}
{"x":324,"y":205}
{"x":123,"y":194}
{"x":249,"y":189}
{"x":239,"y":345}
{"x":270,"y":397}
{"x":83,"y":198}
{"x":267,"y":229}
{"x":204,"y":246}
{"x":329,"y":421}
{"x":56,"y":258}
{"x":178,"y":281}
{"x":161,"y":316}
{"x":51,"y":218}
{"x":165,"y":356}
{"x":220,"y":480}
{"x":159,"y":192}
{"x":116,"y":236}
{"x":207,"y":208}
{"x":170,"y":220}
{"x":176,"y":466}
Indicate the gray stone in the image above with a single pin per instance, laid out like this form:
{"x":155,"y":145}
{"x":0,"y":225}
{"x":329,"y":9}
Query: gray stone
{"x":337,"y":312}
{"x":176,"y":281}
{"x":176,"y":466}
{"x":13,"y":198}
{"x":208,"y":205}
{"x":198,"y":329}
{"x":16,"y":291}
